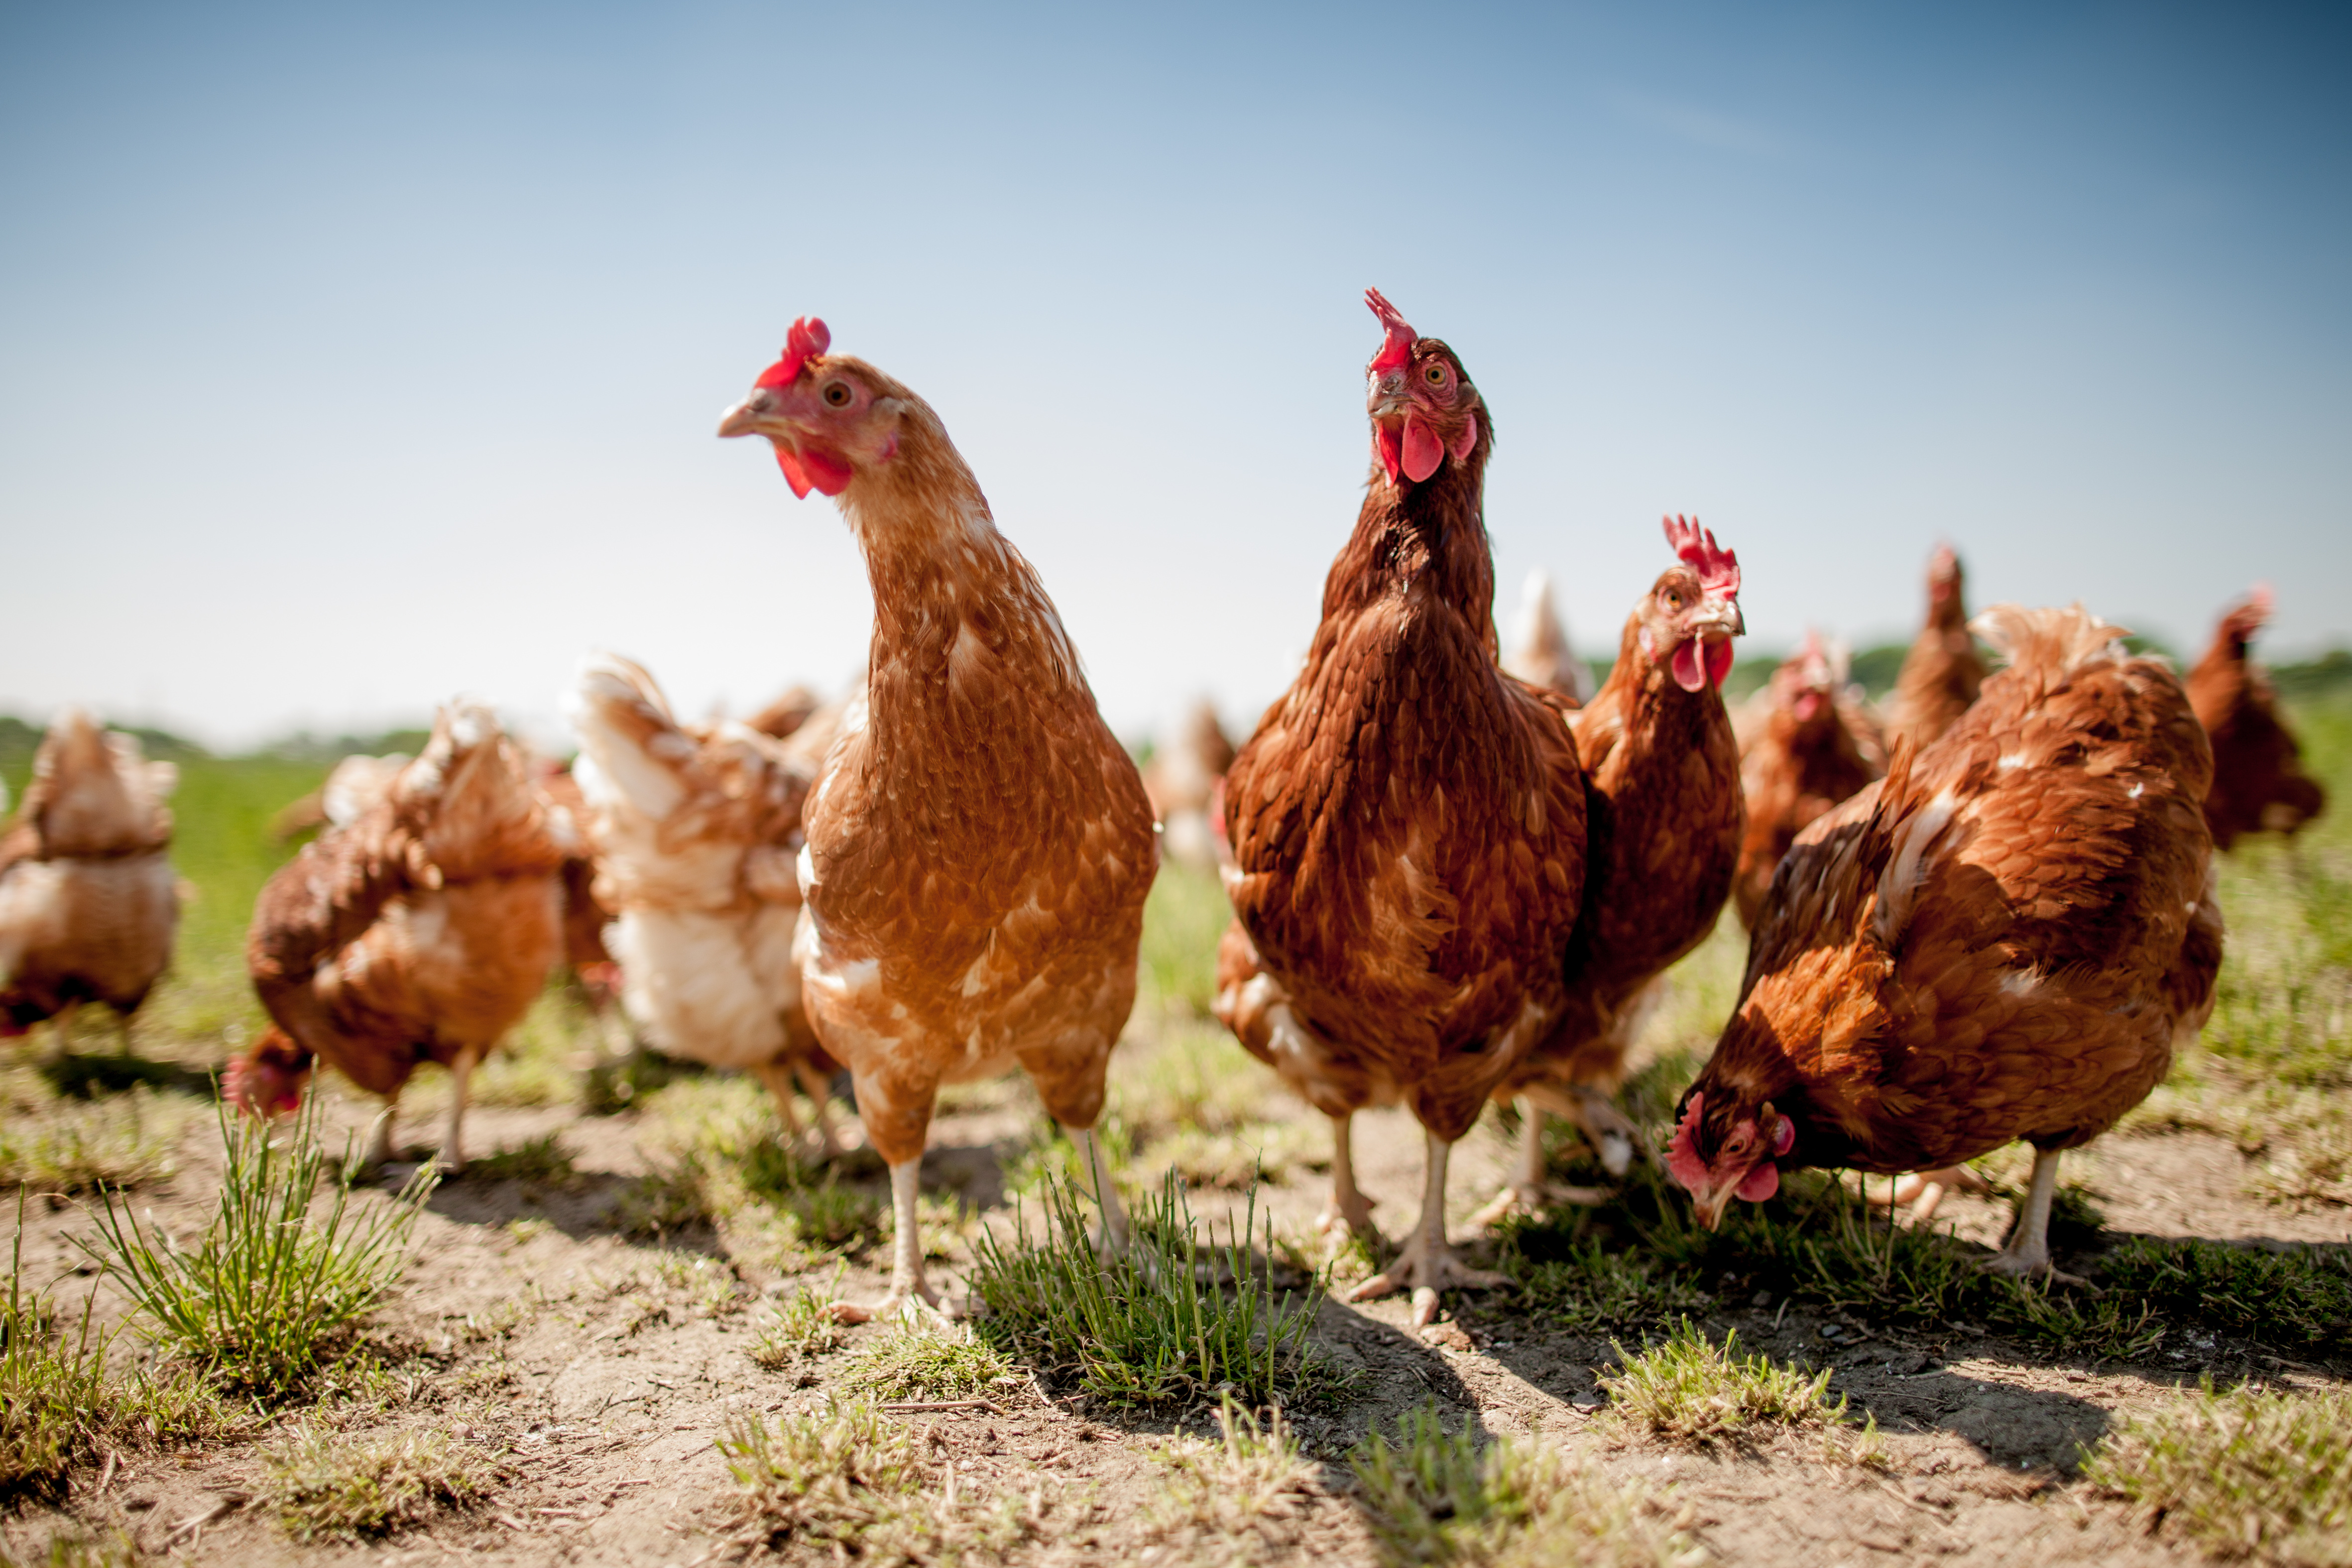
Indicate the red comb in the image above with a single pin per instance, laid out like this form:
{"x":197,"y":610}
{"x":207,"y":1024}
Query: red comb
{"x":807,"y":339}
{"x":1397,"y":347}
{"x":1717,"y":568}
{"x":1683,"y":1159}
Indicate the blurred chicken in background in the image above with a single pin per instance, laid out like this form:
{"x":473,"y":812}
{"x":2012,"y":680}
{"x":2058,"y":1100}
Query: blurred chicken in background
{"x":2259,"y":785}
{"x":1806,"y":743}
{"x":1188,"y":763}
{"x":1943,"y":672}
{"x":1539,"y":653}
{"x":88,"y":905}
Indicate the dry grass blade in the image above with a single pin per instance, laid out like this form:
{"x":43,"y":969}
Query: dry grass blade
{"x":2245,"y":1473}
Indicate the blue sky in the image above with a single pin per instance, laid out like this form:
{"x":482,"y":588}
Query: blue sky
{"x":350,"y":356}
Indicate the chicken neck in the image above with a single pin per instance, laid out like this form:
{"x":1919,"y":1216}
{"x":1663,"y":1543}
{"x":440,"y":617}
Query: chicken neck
{"x":1424,"y":541}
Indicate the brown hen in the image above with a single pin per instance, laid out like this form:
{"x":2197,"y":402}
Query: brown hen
{"x":1802,"y":749}
{"x":2259,"y":785}
{"x":88,"y":906}
{"x":1407,"y":823}
{"x":2008,"y":937}
{"x":1187,"y":764}
{"x":1943,"y":672}
{"x":1663,"y":793}
{"x":978,"y":844}
{"x":421,"y":932}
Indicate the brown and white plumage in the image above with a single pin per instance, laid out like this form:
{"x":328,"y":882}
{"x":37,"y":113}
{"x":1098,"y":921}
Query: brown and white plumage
{"x":2259,"y":785}
{"x":1662,"y":831}
{"x":2008,"y":937}
{"x":1803,"y":747}
{"x":88,"y":906}
{"x":1943,"y":672}
{"x":422,"y":930}
{"x":1407,"y":823}
{"x":979,"y":843}
{"x":697,"y":834}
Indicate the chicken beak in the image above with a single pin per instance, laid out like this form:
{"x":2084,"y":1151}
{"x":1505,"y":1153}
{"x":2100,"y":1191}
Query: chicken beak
{"x":743,"y":419}
{"x":1707,"y":1208}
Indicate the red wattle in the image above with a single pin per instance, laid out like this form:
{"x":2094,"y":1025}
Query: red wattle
{"x":1718,"y":661}
{"x":794,"y":474}
{"x":825,"y":472}
{"x":1384,"y":447}
{"x":1760,"y":1183}
{"x":1422,"y":450}
{"x":1688,"y":672}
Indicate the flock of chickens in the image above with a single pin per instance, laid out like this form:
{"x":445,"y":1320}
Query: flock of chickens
{"x":1455,"y":878}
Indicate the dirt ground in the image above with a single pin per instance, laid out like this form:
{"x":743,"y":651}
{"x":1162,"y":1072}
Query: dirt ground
{"x":603,"y":1370}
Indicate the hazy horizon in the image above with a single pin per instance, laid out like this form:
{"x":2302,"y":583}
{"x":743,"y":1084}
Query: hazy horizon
{"x":355,"y":360}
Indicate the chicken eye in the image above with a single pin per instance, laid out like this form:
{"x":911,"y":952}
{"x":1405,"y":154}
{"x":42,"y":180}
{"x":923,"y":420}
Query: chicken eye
{"x":1674,"y":602}
{"x":836,"y":395}
{"x":1436,"y":375}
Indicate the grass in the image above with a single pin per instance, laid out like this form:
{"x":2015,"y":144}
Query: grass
{"x":61,"y":1144}
{"x":321,"y":1486}
{"x":1688,"y":1391}
{"x":1586,"y":1288}
{"x":2245,"y":1474}
{"x":719,"y":1159}
{"x":1231,"y":1491}
{"x":847,"y":1477}
{"x":270,"y":1293}
{"x":543,"y":1160}
{"x":1183,"y":918}
{"x":930,"y":1361}
{"x":77,"y":1548}
{"x":61,"y":1405}
{"x":801,"y":1330}
{"x":1149,"y":1326}
{"x":1431,"y":1497}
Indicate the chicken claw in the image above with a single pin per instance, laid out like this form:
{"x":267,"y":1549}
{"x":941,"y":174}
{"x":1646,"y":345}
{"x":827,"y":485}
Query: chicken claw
{"x":1925,"y":1190}
{"x":2028,"y":1252}
{"x":908,"y":1290}
{"x":1529,"y":1193}
{"x":1427,"y":1264}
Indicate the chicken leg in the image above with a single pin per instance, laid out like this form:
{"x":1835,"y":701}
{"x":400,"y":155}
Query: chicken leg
{"x":1426,"y":1263}
{"x":908,"y":1290}
{"x":1529,"y":1191}
{"x":1925,"y":1190}
{"x":2028,"y":1251}
{"x":779,"y":1078}
{"x":1347,"y":1205}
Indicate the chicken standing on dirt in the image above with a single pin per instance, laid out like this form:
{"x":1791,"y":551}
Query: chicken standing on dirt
{"x":2259,"y":785}
{"x":1943,"y":672}
{"x":979,"y":843}
{"x":1539,"y":652}
{"x":1407,"y":825}
{"x":2008,"y":937}
{"x":422,"y":931}
{"x":1802,"y":750}
{"x":88,"y":905}
{"x":698,"y":834}
{"x":1662,"y":834}
{"x":1181,"y":778}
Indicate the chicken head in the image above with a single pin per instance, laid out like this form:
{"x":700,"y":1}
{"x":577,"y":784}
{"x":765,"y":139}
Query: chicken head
{"x":1745,"y":1143}
{"x":1424,"y":407}
{"x":1691,"y":613}
{"x":829,"y":417}
{"x":269,"y":1082}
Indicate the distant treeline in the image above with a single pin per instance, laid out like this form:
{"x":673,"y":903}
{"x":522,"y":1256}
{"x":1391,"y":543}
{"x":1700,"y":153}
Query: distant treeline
{"x":19,"y":739}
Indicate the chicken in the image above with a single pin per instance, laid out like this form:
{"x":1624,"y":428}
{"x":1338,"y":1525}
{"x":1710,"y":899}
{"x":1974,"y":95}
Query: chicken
{"x":788,"y":712}
{"x":696,"y":834}
{"x":2259,"y":785}
{"x":2008,"y":937}
{"x":422,"y":930}
{"x":1539,"y":652}
{"x":88,"y":906}
{"x":1942,"y":673}
{"x":1407,"y":825}
{"x":979,"y":843}
{"x":1661,"y":836}
{"x":1186,"y":766}
{"x":1799,"y":755}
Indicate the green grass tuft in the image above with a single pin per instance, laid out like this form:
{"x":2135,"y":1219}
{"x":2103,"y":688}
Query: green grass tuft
{"x":2245,"y":1473}
{"x":802,"y":1328}
{"x":1149,"y":1326}
{"x":542,"y":1160}
{"x":926,"y":1362}
{"x":1690,"y":1392}
{"x":848,"y":1478}
{"x":270,"y":1293}
{"x":325,"y":1487}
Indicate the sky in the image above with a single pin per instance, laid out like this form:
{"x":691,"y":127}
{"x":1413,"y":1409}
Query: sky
{"x":354,"y":356}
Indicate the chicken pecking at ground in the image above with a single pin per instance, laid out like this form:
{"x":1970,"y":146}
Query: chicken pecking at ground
{"x":1943,"y":672}
{"x":1661,"y":833}
{"x":1803,"y":748}
{"x":1539,"y":653}
{"x":421,"y":932}
{"x":2008,"y":937}
{"x":979,"y":843}
{"x":88,"y":906}
{"x":1407,"y":825}
{"x":2259,"y":785}
{"x":1181,"y":778}
{"x":696,"y":835}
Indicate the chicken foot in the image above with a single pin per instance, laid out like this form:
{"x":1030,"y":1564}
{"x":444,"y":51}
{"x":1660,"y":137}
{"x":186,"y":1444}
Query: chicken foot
{"x":1346,"y":1206}
{"x":1530,"y":1189}
{"x":779,"y":1078}
{"x":1614,"y":1138}
{"x":908,"y":1290}
{"x":1925,"y":1190}
{"x":2028,"y":1251}
{"x":1426,"y":1263}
